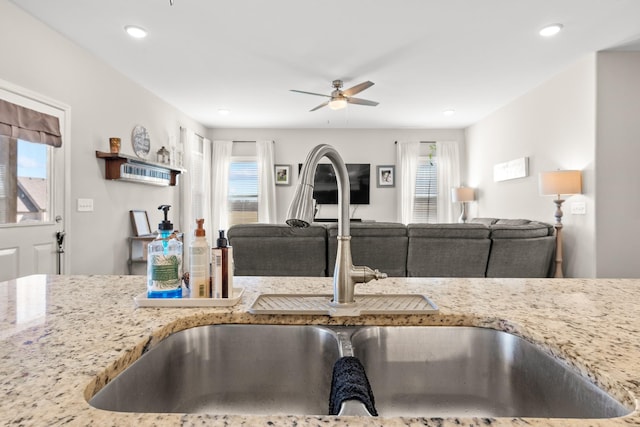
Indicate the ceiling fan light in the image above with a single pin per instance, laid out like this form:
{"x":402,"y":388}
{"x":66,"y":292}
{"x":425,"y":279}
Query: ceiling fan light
{"x":337,"y":104}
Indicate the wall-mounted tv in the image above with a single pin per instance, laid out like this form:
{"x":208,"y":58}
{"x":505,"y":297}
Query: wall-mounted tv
{"x":325,"y":187}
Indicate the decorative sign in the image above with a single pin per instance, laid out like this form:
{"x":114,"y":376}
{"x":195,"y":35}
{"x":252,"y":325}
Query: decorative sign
{"x":518,"y":168}
{"x":141,"y":142}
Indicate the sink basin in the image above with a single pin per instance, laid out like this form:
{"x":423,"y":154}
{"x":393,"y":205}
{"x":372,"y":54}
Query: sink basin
{"x":229,"y":369}
{"x":421,"y":371}
{"x":465,"y":371}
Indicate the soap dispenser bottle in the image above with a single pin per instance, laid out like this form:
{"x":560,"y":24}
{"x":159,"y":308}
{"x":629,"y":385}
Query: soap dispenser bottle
{"x":222,"y":256}
{"x":199,"y":260}
{"x":164,"y":261}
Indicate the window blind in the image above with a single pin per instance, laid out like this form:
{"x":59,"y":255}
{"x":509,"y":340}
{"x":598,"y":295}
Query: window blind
{"x":425,"y":208}
{"x":243,"y":191}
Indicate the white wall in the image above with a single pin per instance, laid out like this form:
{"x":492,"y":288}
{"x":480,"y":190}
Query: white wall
{"x":554,"y":126}
{"x":374,"y":146}
{"x":103,"y":104}
{"x":617,"y":152}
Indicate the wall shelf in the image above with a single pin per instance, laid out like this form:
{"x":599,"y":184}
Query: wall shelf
{"x":123,"y":167}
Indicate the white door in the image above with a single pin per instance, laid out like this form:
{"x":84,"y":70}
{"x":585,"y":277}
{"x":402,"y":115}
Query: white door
{"x":30,"y":235}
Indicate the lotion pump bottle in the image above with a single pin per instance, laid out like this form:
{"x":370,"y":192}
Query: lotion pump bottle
{"x":164,"y":262}
{"x":223,"y":256}
{"x":199,"y":260}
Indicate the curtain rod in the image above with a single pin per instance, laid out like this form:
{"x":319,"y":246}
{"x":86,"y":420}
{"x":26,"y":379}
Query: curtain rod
{"x":421,"y":142}
{"x":196,"y":134}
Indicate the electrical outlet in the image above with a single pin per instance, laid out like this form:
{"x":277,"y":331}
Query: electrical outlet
{"x":578,"y":208}
{"x":85,"y":205}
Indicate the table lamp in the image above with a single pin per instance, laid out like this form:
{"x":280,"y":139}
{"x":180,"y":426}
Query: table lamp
{"x":558,"y":183}
{"x":463,"y":195}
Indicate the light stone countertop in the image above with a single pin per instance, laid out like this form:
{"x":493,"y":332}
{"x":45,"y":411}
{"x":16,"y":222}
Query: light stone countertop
{"x":62,"y":337}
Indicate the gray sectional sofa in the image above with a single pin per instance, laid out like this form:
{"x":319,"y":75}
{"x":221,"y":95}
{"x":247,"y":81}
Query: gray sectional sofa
{"x":485,"y":247}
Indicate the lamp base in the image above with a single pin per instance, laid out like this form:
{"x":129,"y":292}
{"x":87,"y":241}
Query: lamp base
{"x":463,"y":214}
{"x":558,"y":227}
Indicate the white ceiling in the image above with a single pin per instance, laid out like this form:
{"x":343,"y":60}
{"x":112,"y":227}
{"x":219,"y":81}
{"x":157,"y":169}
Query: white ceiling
{"x":424,"y":56}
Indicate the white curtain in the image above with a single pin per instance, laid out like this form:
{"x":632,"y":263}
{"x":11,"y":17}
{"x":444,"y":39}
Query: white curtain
{"x":194,"y":190}
{"x":206,"y":193}
{"x":448,"y":153}
{"x":407,"y":155}
{"x":220,"y":163}
{"x":266,"y":182}
{"x":187,"y":138}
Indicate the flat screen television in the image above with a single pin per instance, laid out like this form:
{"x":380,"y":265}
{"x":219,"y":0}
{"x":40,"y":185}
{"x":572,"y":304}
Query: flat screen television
{"x":325,"y":187}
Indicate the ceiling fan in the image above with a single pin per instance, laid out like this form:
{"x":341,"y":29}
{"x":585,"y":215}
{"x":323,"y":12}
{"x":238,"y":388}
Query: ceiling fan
{"x":340,"y":98}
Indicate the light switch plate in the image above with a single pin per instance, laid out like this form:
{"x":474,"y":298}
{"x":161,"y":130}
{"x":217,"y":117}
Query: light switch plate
{"x":578,"y":208}
{"x":85,"y":205}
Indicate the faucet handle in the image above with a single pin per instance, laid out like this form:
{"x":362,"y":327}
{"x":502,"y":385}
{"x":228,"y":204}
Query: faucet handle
{"x":365,"y":274}
{"x":378,"y":275}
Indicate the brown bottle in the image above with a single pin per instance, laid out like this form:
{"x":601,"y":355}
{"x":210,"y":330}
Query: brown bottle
{"x":222,"y":257}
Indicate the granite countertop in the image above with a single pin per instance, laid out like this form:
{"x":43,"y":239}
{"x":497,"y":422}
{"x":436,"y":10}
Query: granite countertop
{"x":62,"y":337}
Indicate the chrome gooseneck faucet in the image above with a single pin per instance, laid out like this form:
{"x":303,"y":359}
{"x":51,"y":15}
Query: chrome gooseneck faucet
{"x":301,"y":210}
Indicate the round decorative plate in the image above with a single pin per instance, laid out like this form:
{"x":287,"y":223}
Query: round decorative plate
{"x":141,"y":142}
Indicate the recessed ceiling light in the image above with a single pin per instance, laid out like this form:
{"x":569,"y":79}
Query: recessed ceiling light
{"x":449,"y":112}
{"x":136,"y":32}
{"x":551,"y":30}
{"x":223,"y":111}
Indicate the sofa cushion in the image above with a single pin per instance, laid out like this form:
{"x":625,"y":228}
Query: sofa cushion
{"x":275,"y":230}
{"x":512,"y":221}
{"x":530,"y":230}
{"x":522,"y":257}
{"x":278,"y":250}
{"x":450,"y":231}
{"x":447,"y":250}
{"x":370,"y":229}
{"x":378,"y":245}
{"x":485,"y":221}
{"x":429,"y":257}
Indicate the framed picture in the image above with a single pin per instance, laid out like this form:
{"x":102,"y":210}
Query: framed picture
{"x":140,"y":223}
{"x":283,"y":174}
{"x":386,"y":176}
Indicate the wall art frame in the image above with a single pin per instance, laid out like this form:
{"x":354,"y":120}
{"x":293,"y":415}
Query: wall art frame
{"x":385,"y":176}
{"x":282,"y":174}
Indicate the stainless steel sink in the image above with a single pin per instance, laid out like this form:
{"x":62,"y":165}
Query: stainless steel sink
{"x":414,"y":371}
{"x":229,"y":369}
{"x":465,"y":371}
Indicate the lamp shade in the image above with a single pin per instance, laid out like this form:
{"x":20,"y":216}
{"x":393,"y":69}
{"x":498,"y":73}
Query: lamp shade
{"x":462,"y":194}
{"x":560,"y":182}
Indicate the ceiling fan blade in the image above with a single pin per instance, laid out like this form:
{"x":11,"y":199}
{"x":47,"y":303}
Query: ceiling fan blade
{"x":357,"y":88}
{"x":360,"y":101}
{"x":319,"y":106}
{"x":310,"y":93}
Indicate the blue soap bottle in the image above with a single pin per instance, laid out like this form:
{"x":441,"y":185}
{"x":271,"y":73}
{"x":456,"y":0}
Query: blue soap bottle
{"x":164,"y":261}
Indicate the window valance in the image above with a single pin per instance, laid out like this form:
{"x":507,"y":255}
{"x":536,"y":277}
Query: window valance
{"x":29,"y":125}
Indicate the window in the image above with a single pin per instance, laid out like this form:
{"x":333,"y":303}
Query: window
{"x":243,"y":190}
{"x":425,"y":209}
{"x":25,"y":193}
